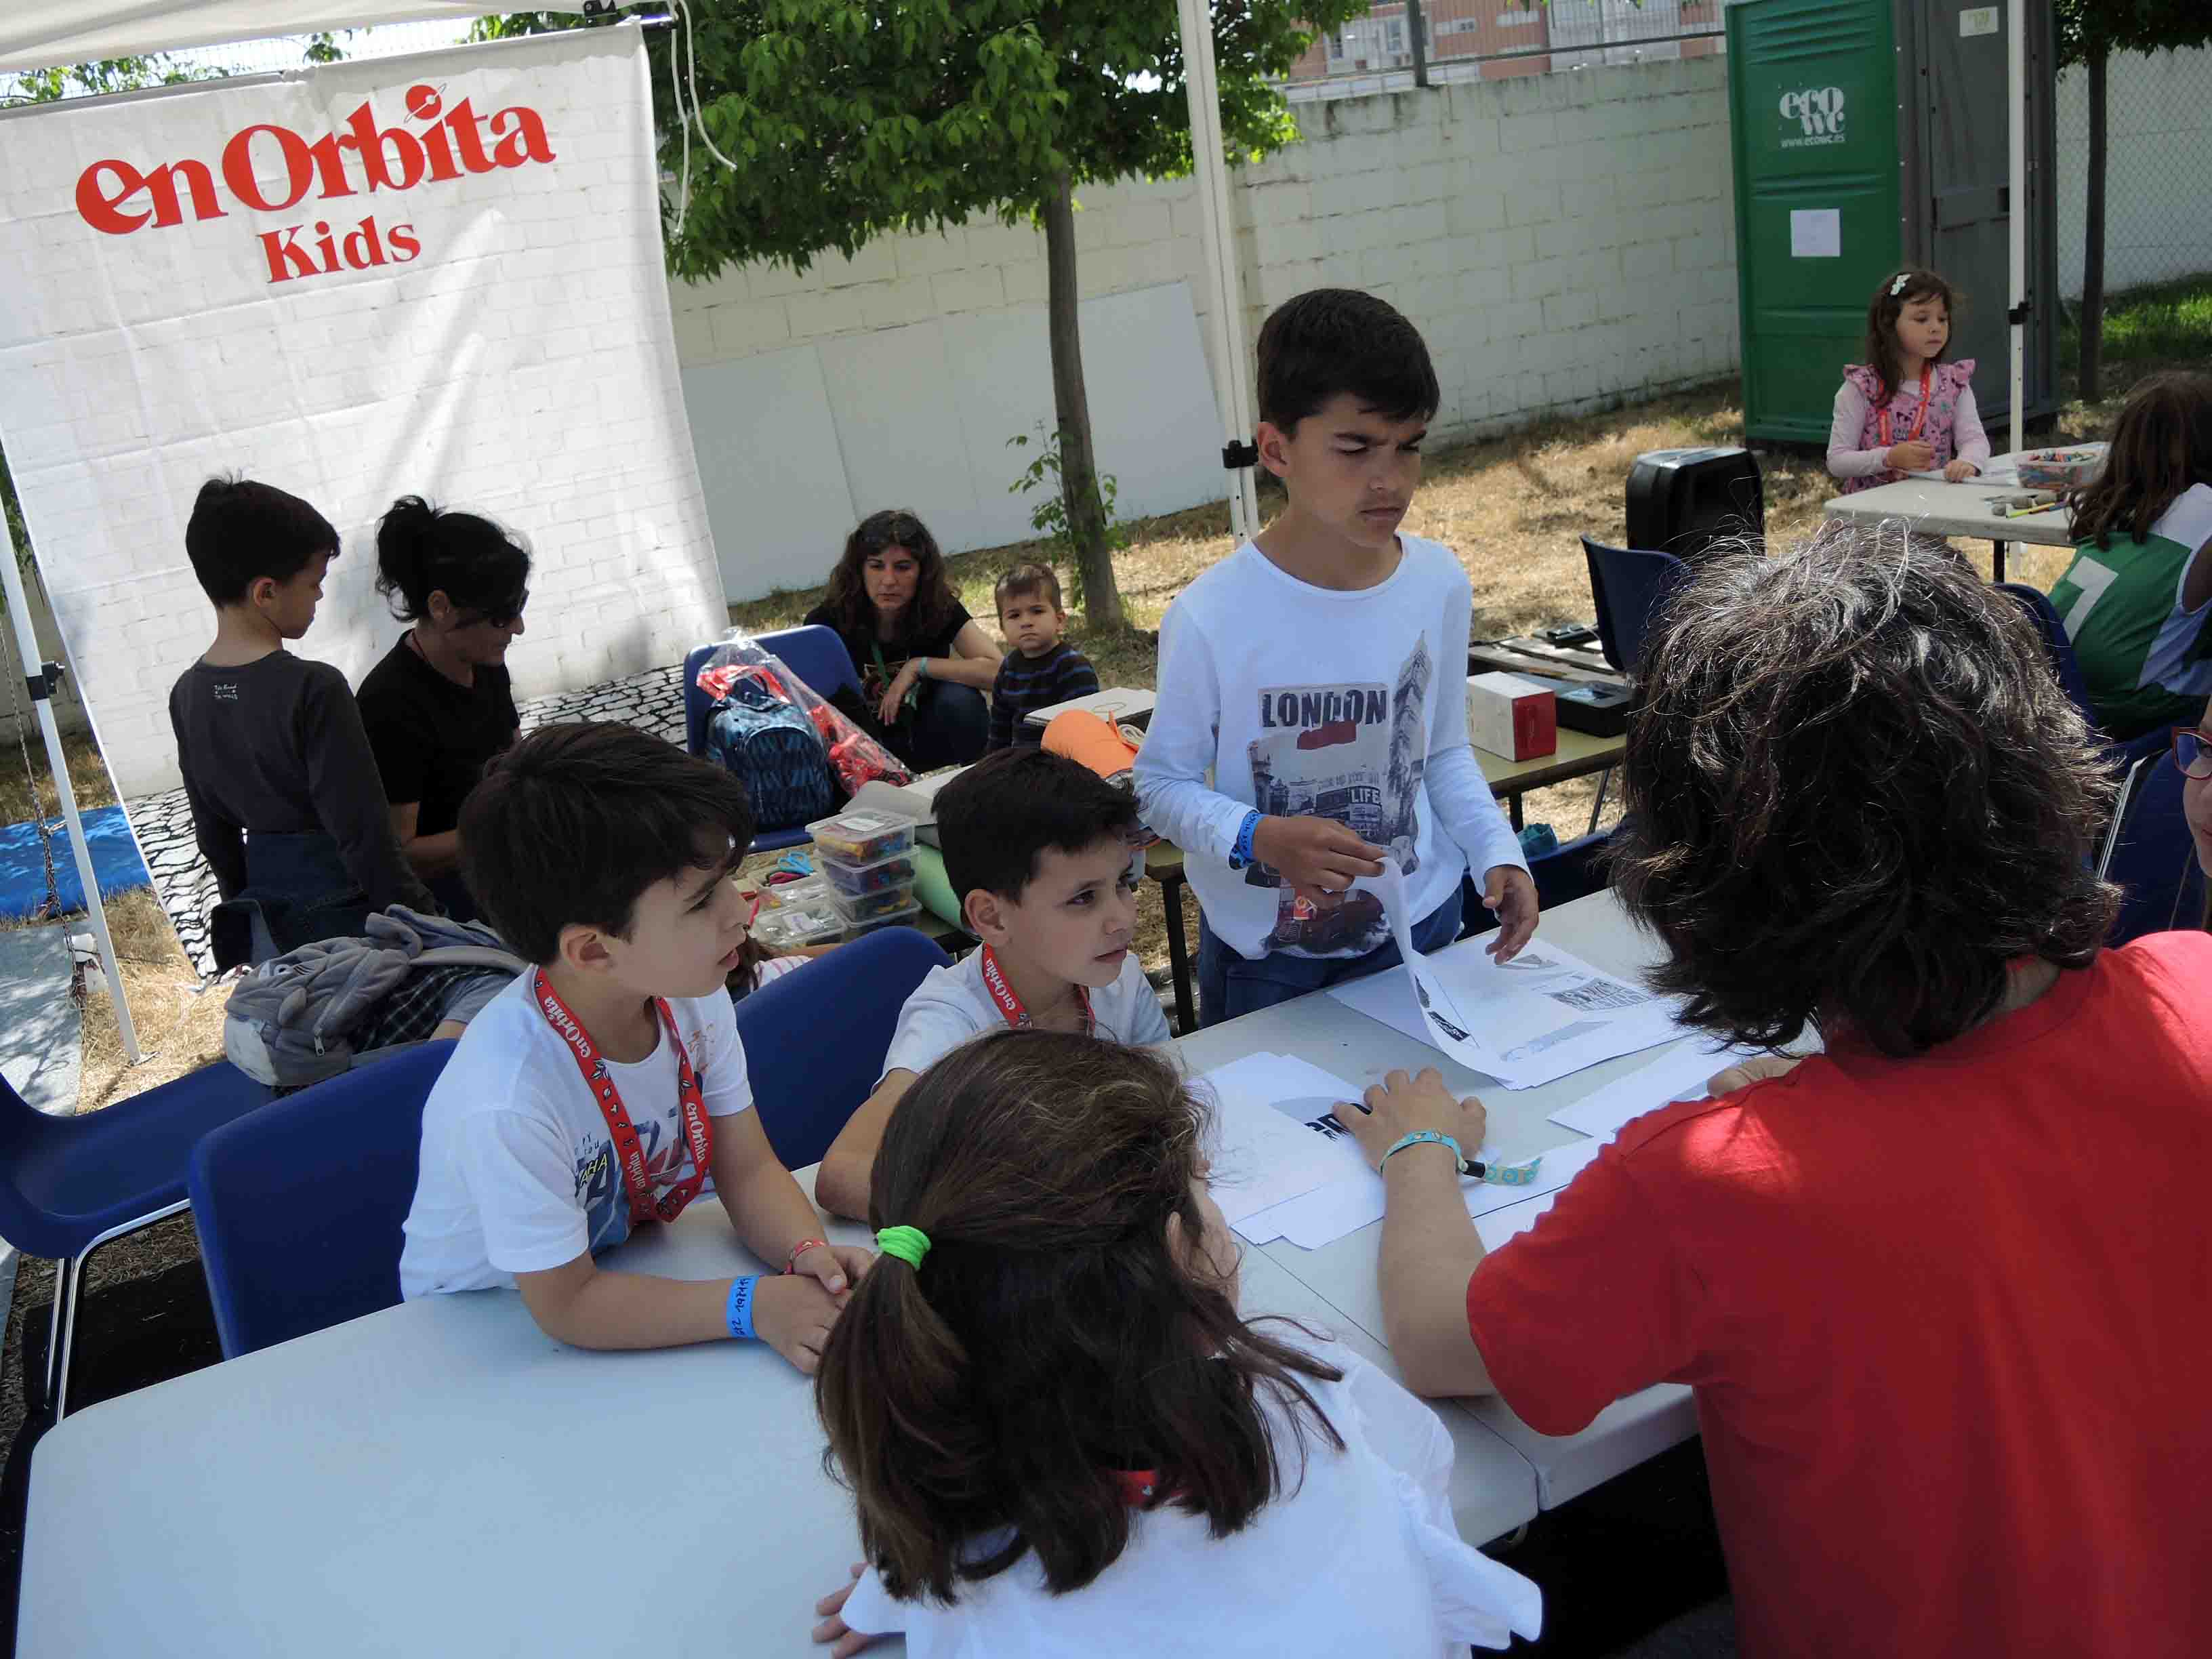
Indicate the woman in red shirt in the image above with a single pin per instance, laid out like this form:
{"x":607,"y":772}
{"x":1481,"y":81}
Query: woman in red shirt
{"x":1940,"y":1290}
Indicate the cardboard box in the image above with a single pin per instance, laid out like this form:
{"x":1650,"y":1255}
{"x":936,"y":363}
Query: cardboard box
{"x":1508,"y":716}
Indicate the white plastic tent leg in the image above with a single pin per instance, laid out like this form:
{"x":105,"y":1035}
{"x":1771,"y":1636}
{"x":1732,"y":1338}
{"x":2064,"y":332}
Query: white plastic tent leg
{"x":2016,"y":220}
{"x":19,"y":614}
{"x":1232,"y":382}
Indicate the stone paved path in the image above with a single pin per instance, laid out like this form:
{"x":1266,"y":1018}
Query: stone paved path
{"x":651,"y":702}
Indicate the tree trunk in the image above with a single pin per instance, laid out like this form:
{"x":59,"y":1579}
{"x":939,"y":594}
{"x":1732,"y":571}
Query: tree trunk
{"x":1079,"y":469}
{"x":2093,"y":237}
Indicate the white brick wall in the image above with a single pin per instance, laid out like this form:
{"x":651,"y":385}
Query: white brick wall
{"x":1561,"y":241}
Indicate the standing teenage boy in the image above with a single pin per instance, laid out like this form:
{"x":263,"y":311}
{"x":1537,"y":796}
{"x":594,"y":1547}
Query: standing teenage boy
{"x":604,"y":1086}
{"x":1318,"y":675}
{"x":287,"y":804}
{"x":1041,"y":852}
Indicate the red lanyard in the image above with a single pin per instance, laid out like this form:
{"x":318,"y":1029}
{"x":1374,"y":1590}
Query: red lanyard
{"x":1010,"y":1006}
{"x":698,"y":1128}
{"x":1919,"y":415}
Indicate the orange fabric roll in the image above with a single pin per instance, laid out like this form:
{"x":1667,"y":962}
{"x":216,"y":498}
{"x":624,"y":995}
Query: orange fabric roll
{"x":1082,"y":736}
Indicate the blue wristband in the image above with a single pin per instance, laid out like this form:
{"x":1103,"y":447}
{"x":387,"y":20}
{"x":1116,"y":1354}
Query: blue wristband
{"x":1431,"y":1138}
{"x":1241,"y":855}
{"x":741,"y":1307}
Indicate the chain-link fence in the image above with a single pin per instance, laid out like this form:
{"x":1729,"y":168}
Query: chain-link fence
{"x":2158,"y":176}
{"x":1489,"y":39}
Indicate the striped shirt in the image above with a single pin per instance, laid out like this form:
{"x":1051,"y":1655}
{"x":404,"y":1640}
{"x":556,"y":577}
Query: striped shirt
{"x":1028,"y":682}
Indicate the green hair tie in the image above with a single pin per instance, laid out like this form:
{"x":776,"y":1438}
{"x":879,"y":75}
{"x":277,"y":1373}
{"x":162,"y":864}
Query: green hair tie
{"x":909,"y":1244}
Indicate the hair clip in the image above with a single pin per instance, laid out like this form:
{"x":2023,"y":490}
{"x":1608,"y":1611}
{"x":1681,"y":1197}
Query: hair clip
{"x":1898,"y":287}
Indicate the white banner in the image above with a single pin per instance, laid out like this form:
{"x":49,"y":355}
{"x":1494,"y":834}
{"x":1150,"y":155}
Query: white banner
{"x":438,"y":274}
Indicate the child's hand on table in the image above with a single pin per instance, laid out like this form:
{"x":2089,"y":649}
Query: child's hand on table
{"x":1911,"y":456}
{"x":1509,"y":892}
{"x":833,"y":1627}
{"x":1401,"y":1105}
{"x":793,"y":1314}
{"x":836,"y":1267}
{"x":1955,"y":471}
{"x":1319,"y":857}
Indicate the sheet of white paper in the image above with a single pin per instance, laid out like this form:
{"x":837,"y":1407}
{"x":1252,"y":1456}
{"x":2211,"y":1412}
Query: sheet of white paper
{"x":1538,"y":1018}
{"x":1678,"y":1075}
{"x":1816,"y":233}
{"x":1260,"y":1157}
{"x":1328,"y":1213}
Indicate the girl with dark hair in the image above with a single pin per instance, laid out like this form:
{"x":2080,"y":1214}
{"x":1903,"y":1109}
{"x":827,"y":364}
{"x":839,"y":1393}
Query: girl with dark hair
{"x":438,"y":706}
{"x":926,"y":666}
{"x":1904,"y":410}
{"x":1060,"y":1436}
{"x":2137,"y":599}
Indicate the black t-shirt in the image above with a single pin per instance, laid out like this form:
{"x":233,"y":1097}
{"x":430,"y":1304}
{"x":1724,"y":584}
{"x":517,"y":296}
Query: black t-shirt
{"x":432,"y":738}
{"x":861,"y":645}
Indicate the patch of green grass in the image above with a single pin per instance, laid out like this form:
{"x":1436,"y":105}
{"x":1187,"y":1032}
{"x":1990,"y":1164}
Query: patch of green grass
{"x":2164,"y":323}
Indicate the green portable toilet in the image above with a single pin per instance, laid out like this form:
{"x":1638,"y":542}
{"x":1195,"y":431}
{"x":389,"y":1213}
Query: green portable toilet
{"x":1869,"y":134}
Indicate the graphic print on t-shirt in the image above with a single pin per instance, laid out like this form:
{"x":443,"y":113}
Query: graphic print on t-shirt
{"x":1353,"y":753}
{"x":600,"y":1190}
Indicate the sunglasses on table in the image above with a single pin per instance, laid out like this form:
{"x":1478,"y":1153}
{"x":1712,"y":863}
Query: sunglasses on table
{"x":2192,"y":751}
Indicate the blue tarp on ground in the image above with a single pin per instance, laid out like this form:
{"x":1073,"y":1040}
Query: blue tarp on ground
{"x":115,"y":862}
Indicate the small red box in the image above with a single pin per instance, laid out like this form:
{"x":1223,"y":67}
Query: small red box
{"x":1508,"y":716}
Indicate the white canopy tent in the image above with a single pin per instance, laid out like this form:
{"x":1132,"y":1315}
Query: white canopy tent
{"x":38,"y":33}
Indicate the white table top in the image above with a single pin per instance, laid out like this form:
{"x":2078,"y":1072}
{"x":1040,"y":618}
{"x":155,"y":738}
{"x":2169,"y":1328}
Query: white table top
{"x":1322,"y":1031}
{"x":441,"y":1477}
{"x":1116,"y":702}
{"x":1957,"y":509}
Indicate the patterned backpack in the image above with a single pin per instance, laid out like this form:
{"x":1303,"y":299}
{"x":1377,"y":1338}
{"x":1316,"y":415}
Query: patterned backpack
{"x":766,"y":739}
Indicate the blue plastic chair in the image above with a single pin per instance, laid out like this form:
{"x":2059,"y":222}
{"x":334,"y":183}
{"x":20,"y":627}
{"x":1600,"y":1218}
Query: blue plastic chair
{"x":815,"y":1040}
{"x":1570,"y":870}
{"x":2151,"y":853}
{"x":1629,"y":584}
{"x":299,"y":1205}
{"x":2064,"y":663}
{"x":813,"y":653}
{"x":68,"y":1185}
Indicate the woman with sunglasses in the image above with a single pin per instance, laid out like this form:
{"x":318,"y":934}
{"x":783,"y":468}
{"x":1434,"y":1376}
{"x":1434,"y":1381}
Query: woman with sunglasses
{"x":926,"y":666}
{"x":438,"y":706}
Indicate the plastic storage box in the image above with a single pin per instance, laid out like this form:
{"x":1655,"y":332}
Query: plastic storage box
{"x":897,"y":870}
{"x":861,"y":908}
{"x":861,"y":837}
{"x":795,"y":927}
{"x":899,"y":918}
{"x":2059,"y":468}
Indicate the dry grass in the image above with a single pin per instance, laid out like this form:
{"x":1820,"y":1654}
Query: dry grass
{"x":1514,"y":508}
{"x":179,"y":1028}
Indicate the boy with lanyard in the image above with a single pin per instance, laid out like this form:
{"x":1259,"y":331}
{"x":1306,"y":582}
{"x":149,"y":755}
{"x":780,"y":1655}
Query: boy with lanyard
{"x":1041,"y":852}
{"x":607,"y":1087}
{"x":1312,"y":718}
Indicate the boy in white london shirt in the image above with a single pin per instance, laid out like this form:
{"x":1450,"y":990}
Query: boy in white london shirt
{"x":1317,"y":675}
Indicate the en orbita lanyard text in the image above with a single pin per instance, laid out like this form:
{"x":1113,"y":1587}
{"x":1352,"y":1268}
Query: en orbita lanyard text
{"x":630,"y":1152}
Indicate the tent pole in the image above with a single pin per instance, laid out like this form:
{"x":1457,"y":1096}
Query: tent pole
{"x":1225,"y":287}
{"x":2016,"y":219}
{"x":19,"y":613}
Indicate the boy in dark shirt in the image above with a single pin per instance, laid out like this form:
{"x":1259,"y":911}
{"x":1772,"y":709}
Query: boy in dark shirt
{"x":287,"y":805}
{"x":1038,"y":669}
